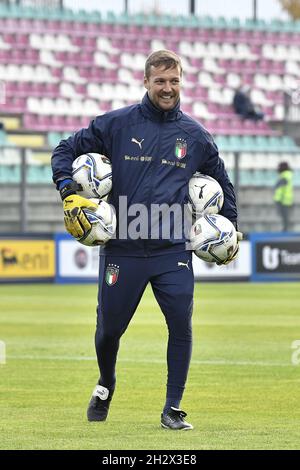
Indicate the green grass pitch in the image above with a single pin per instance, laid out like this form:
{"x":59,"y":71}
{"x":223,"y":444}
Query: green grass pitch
{"x":242,"y":393}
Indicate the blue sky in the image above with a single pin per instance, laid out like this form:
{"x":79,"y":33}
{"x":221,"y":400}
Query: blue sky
{"x":267,"y":9}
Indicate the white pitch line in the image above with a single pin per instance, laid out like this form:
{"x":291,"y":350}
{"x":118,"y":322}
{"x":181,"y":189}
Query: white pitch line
{"x":156,"y":361}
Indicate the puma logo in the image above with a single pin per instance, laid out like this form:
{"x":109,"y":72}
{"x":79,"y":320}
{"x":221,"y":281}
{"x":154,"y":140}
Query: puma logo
{"x":180,"y":263}
{"x":137,"y":142}
{"x":201,"y":190}
{"x":101,"y":392}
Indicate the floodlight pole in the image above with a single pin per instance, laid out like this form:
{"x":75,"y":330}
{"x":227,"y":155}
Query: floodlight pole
{"x":255,"y":10}
{"x":125,"y":6}
{"x":192,"y":7}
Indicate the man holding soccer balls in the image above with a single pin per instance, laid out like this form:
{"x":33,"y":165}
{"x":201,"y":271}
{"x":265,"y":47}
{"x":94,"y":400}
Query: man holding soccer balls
{"x":154,"y":150}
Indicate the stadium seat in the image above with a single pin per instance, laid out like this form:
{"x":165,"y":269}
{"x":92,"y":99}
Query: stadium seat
{"x":296,"y":178}
{"x":10,"y":174}
{"x":71,"y":49}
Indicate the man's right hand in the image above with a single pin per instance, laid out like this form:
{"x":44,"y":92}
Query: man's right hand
{"x":234,"y":254}
{"x":76,"y":222}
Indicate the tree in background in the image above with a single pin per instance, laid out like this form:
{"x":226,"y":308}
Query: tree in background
{"x":292,"y":7}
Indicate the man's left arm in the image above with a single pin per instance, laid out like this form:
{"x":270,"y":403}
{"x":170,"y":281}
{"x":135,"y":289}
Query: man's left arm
{"x":214,"y":166}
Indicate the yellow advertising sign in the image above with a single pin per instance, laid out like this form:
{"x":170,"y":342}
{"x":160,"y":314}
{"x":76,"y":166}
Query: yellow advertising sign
{"x":27,"y":258}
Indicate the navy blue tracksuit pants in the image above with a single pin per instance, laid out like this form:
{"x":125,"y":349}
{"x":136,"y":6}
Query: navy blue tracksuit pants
{"x":122,"y":281}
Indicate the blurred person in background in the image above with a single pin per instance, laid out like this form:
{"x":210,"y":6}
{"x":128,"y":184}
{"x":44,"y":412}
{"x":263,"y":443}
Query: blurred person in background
{"x":243,"y":105}
{"x":283,"y":195}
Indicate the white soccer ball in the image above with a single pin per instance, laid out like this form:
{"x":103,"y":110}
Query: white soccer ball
{"x":213,"y":238}
{"x":205,"y":195}
{"x":103,"y":222}
{"x":93,"y":172}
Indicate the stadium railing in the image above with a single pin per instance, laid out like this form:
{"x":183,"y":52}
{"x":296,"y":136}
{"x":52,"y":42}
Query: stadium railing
{"x":29,"y":201}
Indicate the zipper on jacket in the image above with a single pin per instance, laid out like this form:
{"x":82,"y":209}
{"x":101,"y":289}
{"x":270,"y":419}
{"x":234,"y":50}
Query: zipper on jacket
{"x":154,"y":166}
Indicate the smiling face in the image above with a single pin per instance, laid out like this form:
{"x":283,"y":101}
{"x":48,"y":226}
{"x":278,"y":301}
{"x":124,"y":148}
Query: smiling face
{"x":163,"y":86}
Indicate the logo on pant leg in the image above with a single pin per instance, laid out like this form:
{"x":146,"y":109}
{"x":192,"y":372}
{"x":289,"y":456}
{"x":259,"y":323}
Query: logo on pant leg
{"x":112,"y":274}
{"x":180,"y":263}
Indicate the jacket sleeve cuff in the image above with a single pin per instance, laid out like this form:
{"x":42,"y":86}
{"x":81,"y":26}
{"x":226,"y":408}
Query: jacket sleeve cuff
{"x":69,"y":188}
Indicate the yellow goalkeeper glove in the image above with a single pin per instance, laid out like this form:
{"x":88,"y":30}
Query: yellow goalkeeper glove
{"x":76,"y":222}
{"x":235,"y":252}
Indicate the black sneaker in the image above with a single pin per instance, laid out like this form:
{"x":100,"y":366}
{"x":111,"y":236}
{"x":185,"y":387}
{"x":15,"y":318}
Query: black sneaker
{"x":174,"y":419}
{"x":99,"y":404}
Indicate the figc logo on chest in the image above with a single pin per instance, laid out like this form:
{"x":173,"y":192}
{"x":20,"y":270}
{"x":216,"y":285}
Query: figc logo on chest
{"x":180,"y":148}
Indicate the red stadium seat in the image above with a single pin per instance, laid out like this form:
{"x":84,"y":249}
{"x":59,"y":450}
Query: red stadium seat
{"x":110,"y":55}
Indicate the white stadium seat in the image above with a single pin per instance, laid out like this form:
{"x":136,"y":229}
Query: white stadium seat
{"x":101,"y":59}
{"x":71,"y":74}
{"x":104,"y":44}
{"x":4,"y":45}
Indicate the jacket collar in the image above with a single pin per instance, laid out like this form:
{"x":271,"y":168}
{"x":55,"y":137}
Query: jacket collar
{"x":155,"y":114}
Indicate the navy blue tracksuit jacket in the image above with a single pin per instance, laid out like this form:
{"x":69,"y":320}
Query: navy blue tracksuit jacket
{"x":153,"y":155}
{"x":152,"y":174}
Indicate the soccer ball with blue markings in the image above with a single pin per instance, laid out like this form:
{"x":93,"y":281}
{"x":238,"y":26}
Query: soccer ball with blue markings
{"x":205,"y":195}
{"x":103,"y":224}
{"x":213,"y":238}
{"x":94,"y":173}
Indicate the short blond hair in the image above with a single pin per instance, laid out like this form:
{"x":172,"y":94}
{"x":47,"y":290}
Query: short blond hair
{"x":165,"y":58}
